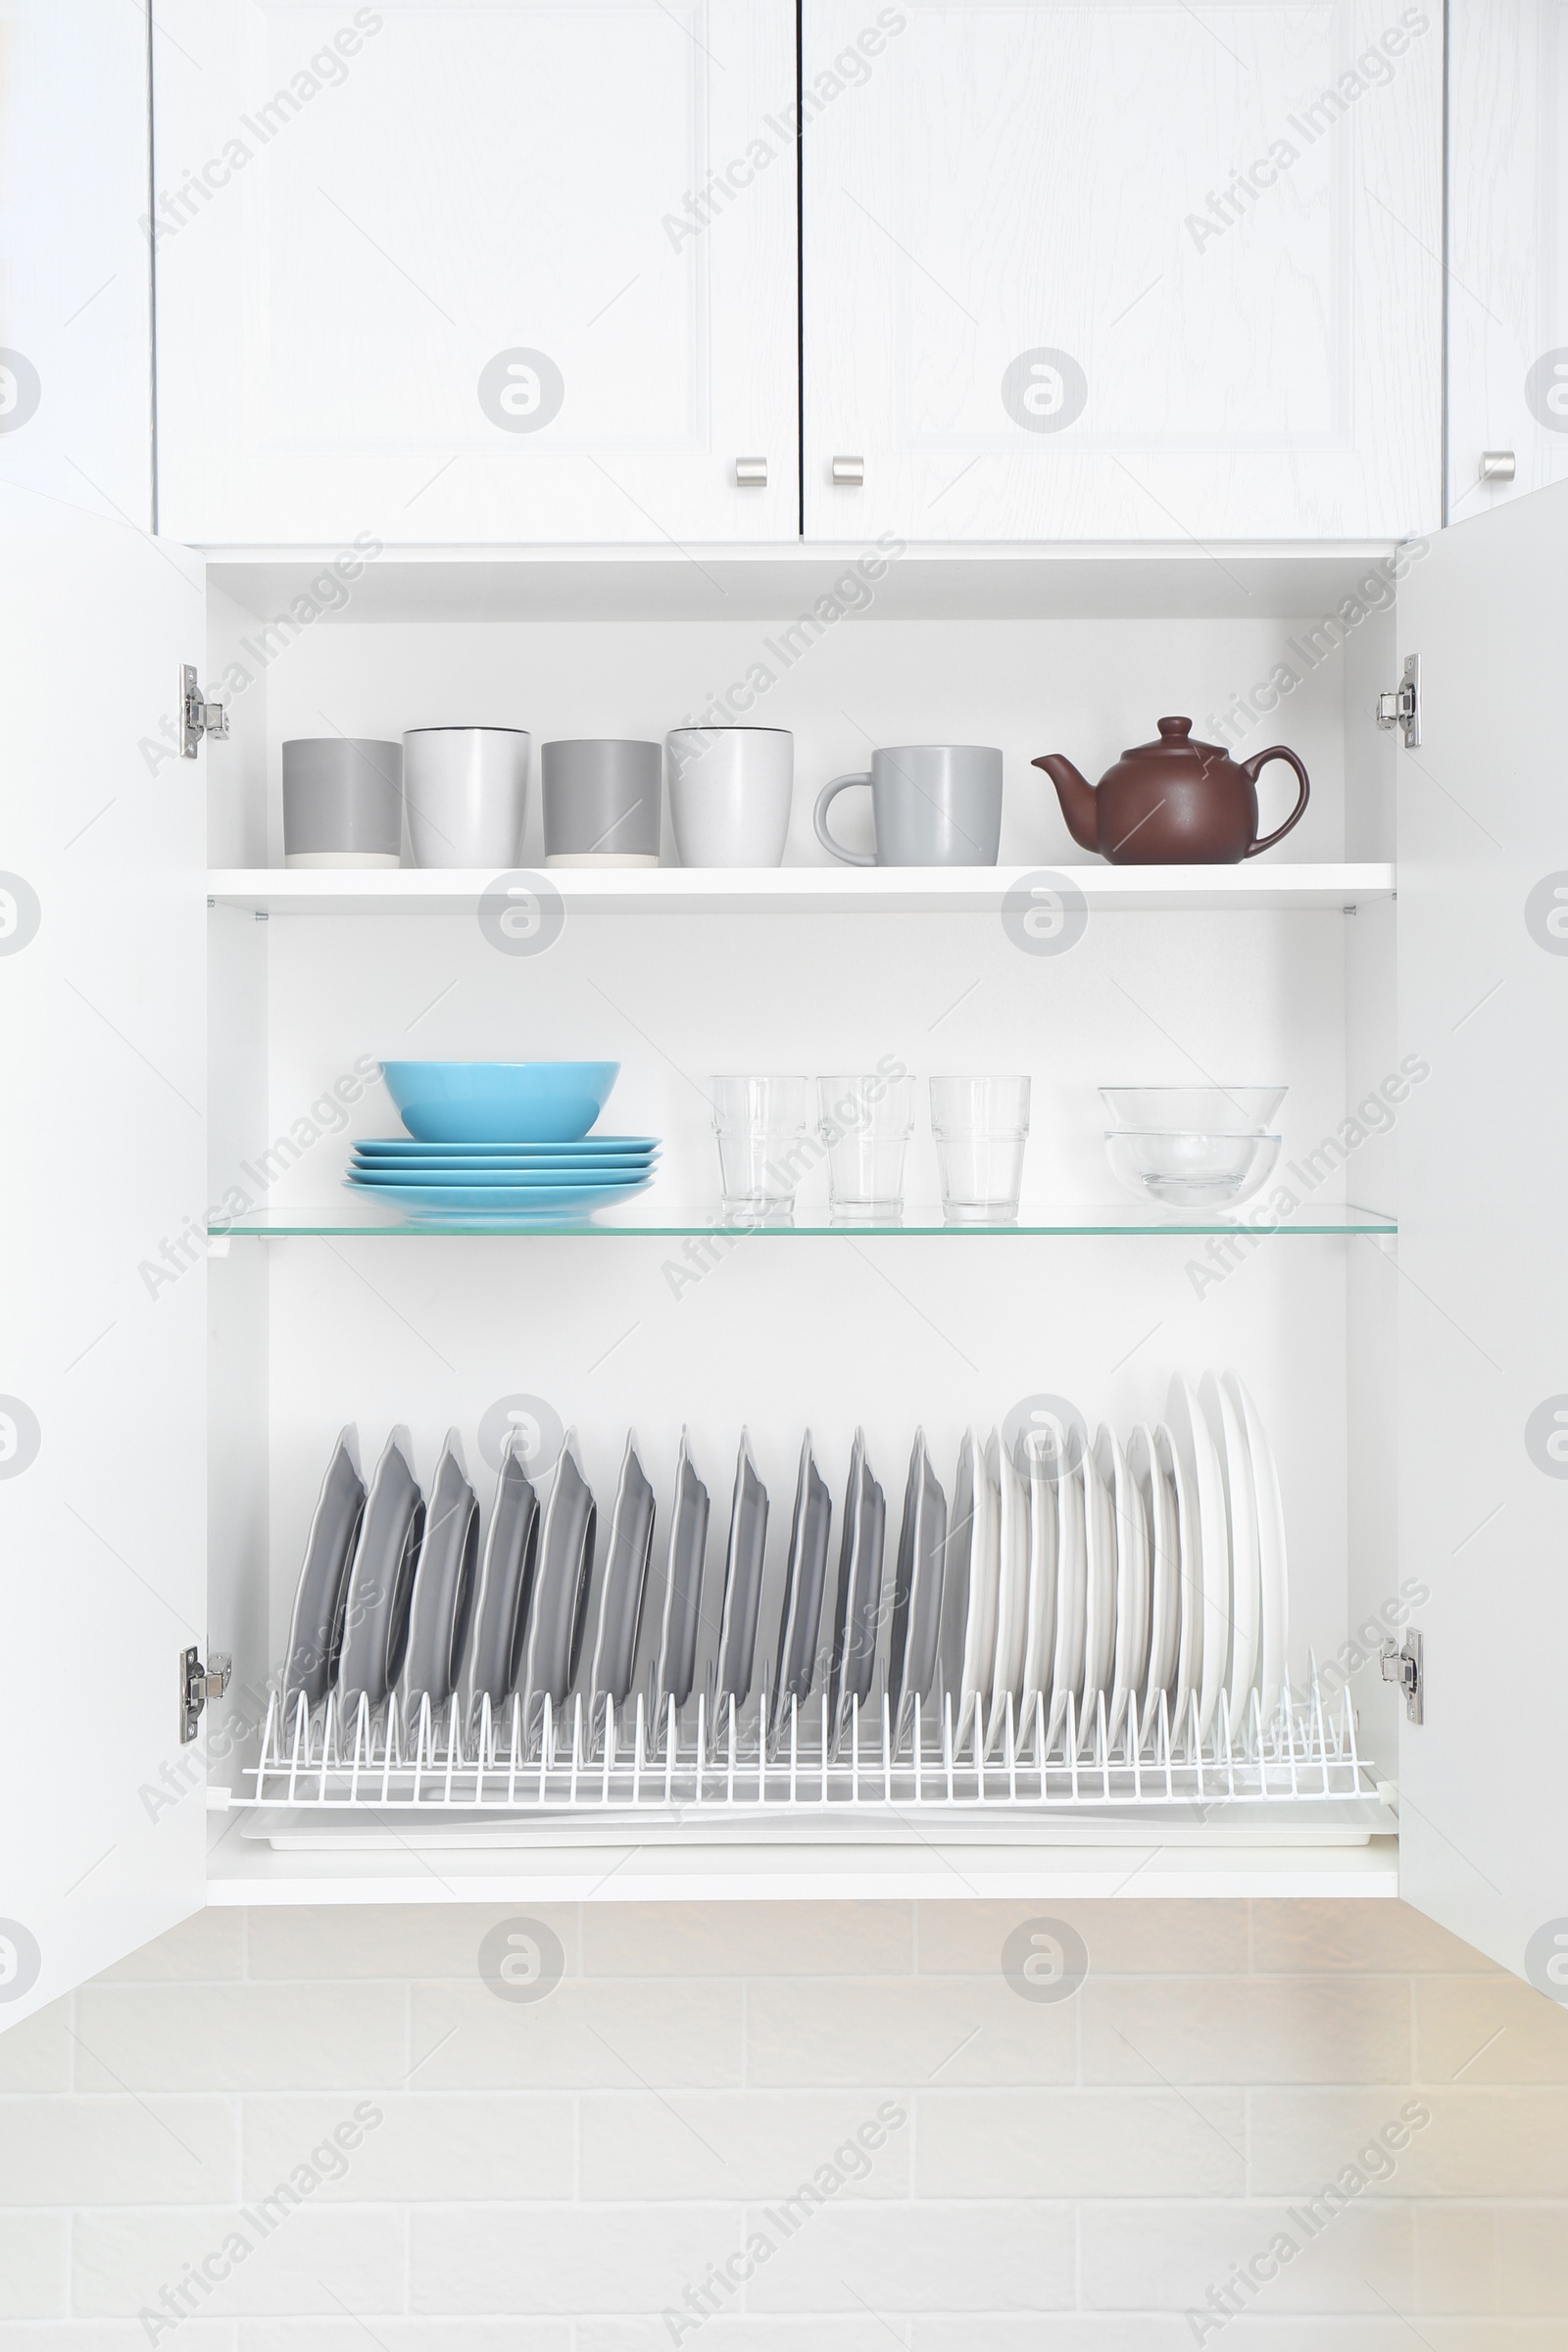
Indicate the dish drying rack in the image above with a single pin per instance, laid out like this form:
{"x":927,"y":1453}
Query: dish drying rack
{"x":689,"y":1772}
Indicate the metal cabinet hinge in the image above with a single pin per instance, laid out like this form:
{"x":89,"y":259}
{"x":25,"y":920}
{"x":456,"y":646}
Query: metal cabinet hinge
{"x":197,"y":715}
{"x":197,"y":1685}
{"x":1404,"y":1667}
{"x":1402,"y":707}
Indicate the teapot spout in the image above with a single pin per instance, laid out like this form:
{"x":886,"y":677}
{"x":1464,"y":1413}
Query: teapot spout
{"x":1077,"y":797}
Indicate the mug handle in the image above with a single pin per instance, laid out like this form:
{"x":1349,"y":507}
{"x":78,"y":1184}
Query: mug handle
{"x":1251,"y":769}
{"x":823,"y":800}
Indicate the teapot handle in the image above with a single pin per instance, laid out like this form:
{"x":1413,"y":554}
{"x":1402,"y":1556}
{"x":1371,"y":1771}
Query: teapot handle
{"x":1250,"y":769}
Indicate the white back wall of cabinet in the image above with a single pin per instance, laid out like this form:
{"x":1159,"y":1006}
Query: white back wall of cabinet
{"x":430,"y":273}
{"x":1040,"y":304}
{"x":75,"y":293}
{"x":1483,"y":1368}
{"x":783,"y":1334}
{"x":1086,"y":688}
{"x":101,"y":1189}
{"x":781,"y":1331}
{"x":1507,"y":245}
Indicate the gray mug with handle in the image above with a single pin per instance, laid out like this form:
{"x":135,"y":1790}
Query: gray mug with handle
{"x":932,"y":804}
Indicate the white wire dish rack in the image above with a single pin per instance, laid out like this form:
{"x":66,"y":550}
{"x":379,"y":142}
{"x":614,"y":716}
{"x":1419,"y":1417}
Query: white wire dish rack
{"x":1085,"y":1630}
{"x":692,"y":1774}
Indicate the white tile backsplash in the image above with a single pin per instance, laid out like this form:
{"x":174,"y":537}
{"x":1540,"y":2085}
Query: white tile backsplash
{"x":679,"y":2141}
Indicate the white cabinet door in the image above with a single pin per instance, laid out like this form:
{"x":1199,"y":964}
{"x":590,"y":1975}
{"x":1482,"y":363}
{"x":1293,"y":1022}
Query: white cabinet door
{"x":514,"y":272}
{"x":76,"y":306}
{"x":1507,"y":245}
{"x":102,"y":1334}
{"x":1483,"y":950}
{"x":1122,"y":269}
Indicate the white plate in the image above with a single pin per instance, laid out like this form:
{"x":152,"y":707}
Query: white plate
{"x":1276,"y":1657}
{"x":1012,"y":1595}
{"x":1189,"y":1584}
{"x":1206,"y":1556}
{"x":1067,"y":1656}
{"x":1132,"y":1585}
{"x":1099,"y":1602}
{"x":1042,"y":1486}
{"x":1148,"y":1464}
{"x":1240,"y":1514}
{"x":985,"y":1566}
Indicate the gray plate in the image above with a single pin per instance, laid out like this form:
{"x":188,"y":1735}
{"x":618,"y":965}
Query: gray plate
{"x":743,"y":1587}
{"x":506,"y":1587}
{"x":683,"y":1585}
{"x":443,"y":1590}
{"x":560,"y":1592}
{"x":806,"y":1579}
{"x":917,"y":1587}
{"x":859,"y":1593}
{"x":620,"y":1597}
{"x":375,"y":1616}
{"x":316,"y":1626}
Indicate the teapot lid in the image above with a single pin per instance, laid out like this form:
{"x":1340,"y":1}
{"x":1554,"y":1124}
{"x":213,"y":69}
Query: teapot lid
{"x":1175,"y":735}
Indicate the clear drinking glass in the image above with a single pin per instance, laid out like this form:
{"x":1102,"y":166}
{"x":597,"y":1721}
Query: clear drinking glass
{"x":865,"y":1123}
{"x":980,"y":1126}
{"x":763,"y":1149}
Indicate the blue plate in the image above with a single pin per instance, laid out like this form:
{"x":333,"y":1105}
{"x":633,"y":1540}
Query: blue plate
{"x":501,"y":1161}
{"x":590,"y":1146}
{"x":501,"y":1179}
{"x":493,"y":1200}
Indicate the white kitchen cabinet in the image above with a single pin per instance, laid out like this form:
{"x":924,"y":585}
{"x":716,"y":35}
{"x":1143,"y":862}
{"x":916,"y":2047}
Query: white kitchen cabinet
{"x":1483,"y":1413}
{"x":102,"y":1425}
{"x":473,"y":272}
{"x":76,"y":308}
{"x":298,"y":1320}
{"x":1509,"y":254}
{"x":1103,"y":271}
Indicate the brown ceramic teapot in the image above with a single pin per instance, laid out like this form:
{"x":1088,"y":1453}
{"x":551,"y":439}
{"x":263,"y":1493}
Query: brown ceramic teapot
{"x":1171,"y":803}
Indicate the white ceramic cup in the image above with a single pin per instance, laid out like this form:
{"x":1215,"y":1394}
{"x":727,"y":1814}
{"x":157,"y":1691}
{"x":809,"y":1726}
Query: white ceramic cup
{"x":729,"y":794}
{"x":466,"y":789}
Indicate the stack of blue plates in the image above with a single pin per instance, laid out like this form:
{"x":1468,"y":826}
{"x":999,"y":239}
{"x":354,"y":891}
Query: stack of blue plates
{"x":491,"y":1180}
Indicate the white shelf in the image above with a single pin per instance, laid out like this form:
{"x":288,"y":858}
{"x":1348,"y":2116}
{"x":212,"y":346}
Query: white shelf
{"x":809,"y":889}
{"x":404,"y":1867}
{"x":1148,"y":580}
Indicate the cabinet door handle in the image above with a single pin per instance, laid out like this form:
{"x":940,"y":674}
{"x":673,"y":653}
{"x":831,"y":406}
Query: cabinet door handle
{"x":751,"y":474}
{"x":1496,"y":465}
{"x":849,"y":474}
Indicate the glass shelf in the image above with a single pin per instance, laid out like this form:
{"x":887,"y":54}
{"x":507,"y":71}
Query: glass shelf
{"x":661,"y":1222}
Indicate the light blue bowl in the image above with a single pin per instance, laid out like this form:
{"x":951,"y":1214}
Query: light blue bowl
{"x":499,"y":1101}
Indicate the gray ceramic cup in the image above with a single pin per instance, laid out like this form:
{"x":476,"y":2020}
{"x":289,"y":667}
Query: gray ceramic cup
{"x":342,"y":801}
{"x":932,"y":804}
{"x":602,"y":799}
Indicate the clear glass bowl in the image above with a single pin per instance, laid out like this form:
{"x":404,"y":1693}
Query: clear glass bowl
{"x":1194,"y":1110}
{"x":1191,"y":1170}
